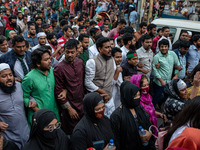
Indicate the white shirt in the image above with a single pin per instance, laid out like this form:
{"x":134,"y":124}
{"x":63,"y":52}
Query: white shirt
{"x":146,"y":58}
{"x":124,"y":53}
{"x":18,"y":69}
{"x":116,"y":89}
{"x":178,"y":132}
{"x":105,"y":34}
{"x":90,"y":69}
{"x":170,"y":44}
{"x":93,"y":51}
{"x":38,"y":46}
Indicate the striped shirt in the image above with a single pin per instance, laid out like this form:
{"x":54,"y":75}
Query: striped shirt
{"x":62,"y":41}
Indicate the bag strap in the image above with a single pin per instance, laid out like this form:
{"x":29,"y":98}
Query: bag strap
{"x":150,"y":130}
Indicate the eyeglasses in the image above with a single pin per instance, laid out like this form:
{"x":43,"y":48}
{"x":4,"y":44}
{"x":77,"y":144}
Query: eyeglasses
{"x":52,"y":127}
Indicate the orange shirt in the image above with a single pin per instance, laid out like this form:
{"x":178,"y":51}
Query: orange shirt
{"x":189,"y":139}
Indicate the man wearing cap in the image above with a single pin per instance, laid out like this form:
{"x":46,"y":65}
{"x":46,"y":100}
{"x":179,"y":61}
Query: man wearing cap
{"x":82,"y":30}
{"x":13,"y":122}
{"x":41,"y":36}
{"x":130,"y":66}
{"x":18,"y":58}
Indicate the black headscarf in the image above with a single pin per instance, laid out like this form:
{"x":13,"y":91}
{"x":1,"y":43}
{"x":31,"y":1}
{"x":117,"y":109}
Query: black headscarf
{"x":41,"y":139}
{"x":90,"y":101}
{"x":125,"y":125}
{"x":89,"y":128}
{"x":128,"y":91}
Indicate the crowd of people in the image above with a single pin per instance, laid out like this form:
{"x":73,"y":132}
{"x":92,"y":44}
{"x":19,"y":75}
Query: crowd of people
{"x":78,"y":82}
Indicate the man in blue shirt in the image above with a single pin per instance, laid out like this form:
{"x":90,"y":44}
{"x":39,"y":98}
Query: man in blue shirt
{"x":31,"y":36}
{"x":194,"y":53}
{"x":181,"y":53}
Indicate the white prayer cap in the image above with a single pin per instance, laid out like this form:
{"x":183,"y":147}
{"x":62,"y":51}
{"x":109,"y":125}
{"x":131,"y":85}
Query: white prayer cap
{"x":189,"y":33}
{"x":4,"y":66}
{"x":76,"y":17}
{"x":41,"y":34}
{"x":181,"y":84}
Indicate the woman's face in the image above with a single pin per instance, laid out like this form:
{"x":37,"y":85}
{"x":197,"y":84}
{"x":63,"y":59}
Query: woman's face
{"x":52,"y":125}
{"x":183,"y":93}
{"x":145,"y":83}
{"x":99,"y":110}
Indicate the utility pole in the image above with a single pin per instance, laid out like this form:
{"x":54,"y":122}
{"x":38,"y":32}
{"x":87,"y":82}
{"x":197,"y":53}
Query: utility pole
{"x":150,"y":12}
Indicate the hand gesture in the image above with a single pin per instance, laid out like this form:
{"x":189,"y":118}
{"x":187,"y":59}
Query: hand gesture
{"x":106,"y":148}
{"x":73,"y":114}
{"x":3,"y":126}
{"x":145,"y":71}
{"x":119,"y":69}
{"x":146,"y":137}
{"x":140,"y":65}
{"x":196,"y":79}
{"x":157,"y":65}
{"x":62,"y":95}
{"x":163,"y":83}
{"x":32,"y":104}
{"x":179,"y":68}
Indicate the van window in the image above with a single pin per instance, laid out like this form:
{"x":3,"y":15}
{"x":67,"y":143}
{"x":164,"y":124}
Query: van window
{"x":193,"y":32}
{"x":172,"y":31}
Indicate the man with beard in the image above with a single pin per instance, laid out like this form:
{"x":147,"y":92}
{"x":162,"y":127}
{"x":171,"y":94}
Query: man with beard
{"x":145,"y":56}
{"x":12,"y":26}
{"x":141,"y":31}
{"x":99,"y":74}
{"x":56,"y":49}
{"x":4,"y":48}
{"x":7,"y":15}
{"x":151,"y":30}
{"x":31,"y":36}
{"x":165,"y":35}
{"x":129,"y":44}
{"x":69,"y":87}
{"x":42,"y":40}
{"x":23,"y":24}
{"x":39,"y":84}
{"x":13,"y":122}
{"x":194,"y":53}
{"x":19,"y":16}
{"x":18,"y":58}
{"x":84,"y":39}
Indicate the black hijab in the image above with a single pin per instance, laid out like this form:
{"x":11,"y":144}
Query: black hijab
{"x":125,"y":124}
{"x":90,"y":101}
{"x":45,"y":140}
{"x":128,"y":91}
{"x":91,"y":129}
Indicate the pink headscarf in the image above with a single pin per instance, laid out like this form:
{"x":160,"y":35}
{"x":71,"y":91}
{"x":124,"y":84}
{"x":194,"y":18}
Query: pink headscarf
{"x":146,"y":100}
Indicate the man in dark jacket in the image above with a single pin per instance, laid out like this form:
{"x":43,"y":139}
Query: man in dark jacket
{"x":18,"y":58}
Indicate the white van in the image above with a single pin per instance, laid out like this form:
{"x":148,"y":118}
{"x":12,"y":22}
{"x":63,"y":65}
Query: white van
{"x":177,"y":25}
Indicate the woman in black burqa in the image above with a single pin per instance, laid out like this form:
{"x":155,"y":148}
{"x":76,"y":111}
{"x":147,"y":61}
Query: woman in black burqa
{"x":45,"y":133}
{"x":127,"y":118}
{"x":94,"y":126}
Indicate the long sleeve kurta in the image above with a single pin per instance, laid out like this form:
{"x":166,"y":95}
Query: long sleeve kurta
{"x":12,"y":112}
{"x":70,"y":77}
{"x":41,"y":87}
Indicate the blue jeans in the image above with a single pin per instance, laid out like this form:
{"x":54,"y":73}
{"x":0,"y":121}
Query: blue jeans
{"x":158,"y":96}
